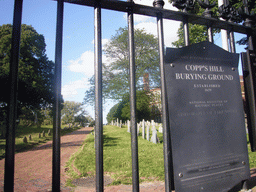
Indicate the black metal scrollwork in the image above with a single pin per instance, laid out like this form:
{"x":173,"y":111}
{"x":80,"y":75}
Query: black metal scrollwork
{"x":245,"y":14}
{"x":207,"y":6}
{"x":183,"y":4}
{"x":229,"y":13}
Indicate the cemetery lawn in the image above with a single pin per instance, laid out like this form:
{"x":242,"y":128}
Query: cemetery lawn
{"x":117,"y":157}
{"x":34,"y":131}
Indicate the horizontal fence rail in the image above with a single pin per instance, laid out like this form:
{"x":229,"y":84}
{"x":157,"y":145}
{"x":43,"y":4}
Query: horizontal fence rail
{"x":166,"y":14}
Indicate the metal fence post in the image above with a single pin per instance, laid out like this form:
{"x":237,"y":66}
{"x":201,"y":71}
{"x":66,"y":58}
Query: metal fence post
{"x":98,"y":98}
{"x":249,"y":83}
{"x":134,"y":139}
{"x":186,"y":31}
{"x":169,"y":183}
{"x":12,"y":105}
{"x":57,"y":99}
{"x":232,"y":42}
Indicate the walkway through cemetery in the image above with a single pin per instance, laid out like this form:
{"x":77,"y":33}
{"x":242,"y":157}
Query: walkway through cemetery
{"x":33,"y":169}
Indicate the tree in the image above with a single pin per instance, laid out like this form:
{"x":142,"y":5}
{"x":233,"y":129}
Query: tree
{"x":35,"y":69}
{"x":73,"y":112}
{"x":122,"y":109}
{"x":116,"y":74}
{"x":116,"y":111}
{"x":35,"y":76}
{"x":197,"y":33}
{"x":83,"y":120}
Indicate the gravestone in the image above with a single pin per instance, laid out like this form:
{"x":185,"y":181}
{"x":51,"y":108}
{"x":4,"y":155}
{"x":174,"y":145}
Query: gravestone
{"x":160,"y":128}
{"x":129,"y":127}
{"x":148,"y":131}
{"x":154,"y":138}
{"x":138,"y":128}
{"x":30,"y":137}
{"x":153,"y":127}
{"x":143,"y":129}
{"x":152,"y":122}
{"x":209,"y":146}
{"x":117,"y":122}
{"x":25,"y":140}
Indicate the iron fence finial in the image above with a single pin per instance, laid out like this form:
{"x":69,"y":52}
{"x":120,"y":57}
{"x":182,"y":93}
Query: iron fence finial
{"x":158,"y":3}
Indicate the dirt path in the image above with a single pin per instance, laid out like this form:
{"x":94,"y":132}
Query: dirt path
{"x":33,"y":169}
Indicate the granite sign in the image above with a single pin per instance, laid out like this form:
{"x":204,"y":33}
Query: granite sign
{"x":208,"y":136}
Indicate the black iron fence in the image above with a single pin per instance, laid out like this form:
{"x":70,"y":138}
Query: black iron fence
{"x":228,"y":13}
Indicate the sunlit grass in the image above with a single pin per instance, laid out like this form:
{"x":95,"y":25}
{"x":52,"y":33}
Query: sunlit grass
{"x":117,"y":157}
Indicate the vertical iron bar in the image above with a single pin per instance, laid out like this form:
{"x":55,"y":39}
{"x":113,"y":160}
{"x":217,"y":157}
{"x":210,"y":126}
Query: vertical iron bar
{"x":169,"y":183}
{"x":98,"y":97}
{"x":12,"y":105}
{"x":134,"y":139}
{"x":249,"y":83}
{"x":208,"y":13}
{"x":186,"y":31}
{"x":248,"y":23}
{"x":232,"y":42}
{"x":209,"y":34}
{"x":57,"y":99}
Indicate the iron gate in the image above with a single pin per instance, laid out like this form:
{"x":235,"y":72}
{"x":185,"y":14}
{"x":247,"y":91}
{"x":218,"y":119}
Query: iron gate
{"x":130,"y":8}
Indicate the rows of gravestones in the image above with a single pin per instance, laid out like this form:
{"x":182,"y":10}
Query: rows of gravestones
{"x":25,"y":140}
{"x":145,"y":126}
{"x":73,"y":125}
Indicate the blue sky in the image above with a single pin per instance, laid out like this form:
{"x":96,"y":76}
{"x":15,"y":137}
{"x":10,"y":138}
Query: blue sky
{"x":78,"y":36}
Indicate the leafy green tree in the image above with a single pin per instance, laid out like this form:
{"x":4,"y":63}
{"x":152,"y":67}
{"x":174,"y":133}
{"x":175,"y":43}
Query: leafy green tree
{"x":83,"y":120}
{"x":27,"y":117}
{"x":48,"y":116}
{"x":35,"y":70}
{"x":71,"y":112}
{"x":197,"y":33}
{"x":122,"y":109}
{"x":116,"y":74}
{"x":116,"y":111}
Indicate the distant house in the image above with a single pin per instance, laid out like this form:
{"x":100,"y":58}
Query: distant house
{"x":156,"y":105}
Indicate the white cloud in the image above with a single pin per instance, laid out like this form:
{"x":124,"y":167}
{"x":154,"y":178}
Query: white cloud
{"x":149,"y":23}
{"x":85,"y":63}
{"x":70,"y":90}
{"x":149,"y":27}
{"x":170,"y":30}
{"x":103,"y":41}
{"x":141,"y":18}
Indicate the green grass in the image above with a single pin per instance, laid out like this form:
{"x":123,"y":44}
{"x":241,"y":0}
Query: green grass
{"x":252,"y":155}
{"x":34,"y":131}
{"x":117,"y":157}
